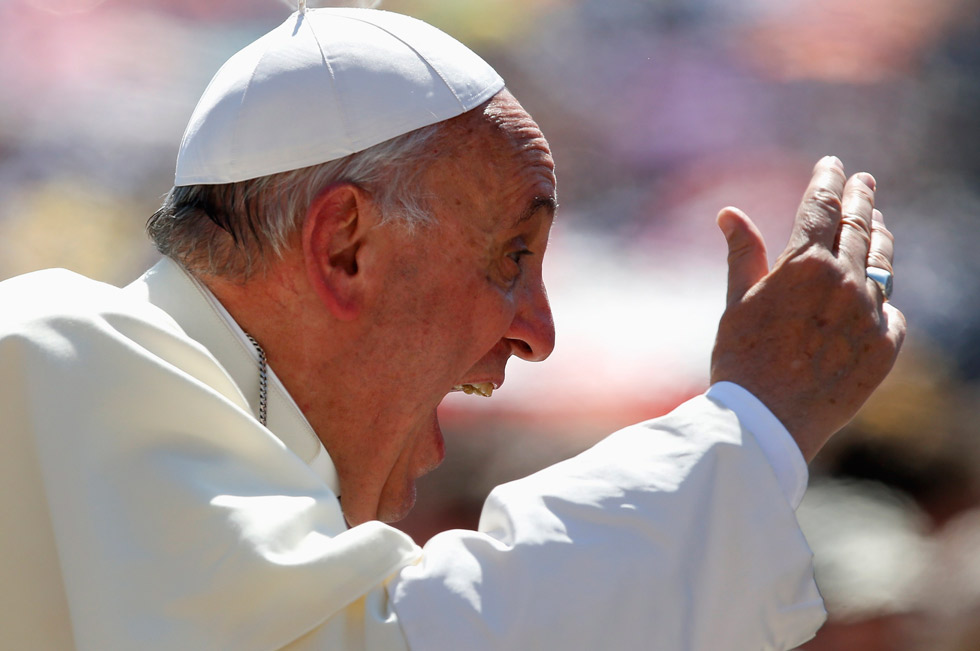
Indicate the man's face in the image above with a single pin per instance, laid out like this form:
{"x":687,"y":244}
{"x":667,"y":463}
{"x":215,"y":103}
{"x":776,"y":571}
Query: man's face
{"x":457,"y":298}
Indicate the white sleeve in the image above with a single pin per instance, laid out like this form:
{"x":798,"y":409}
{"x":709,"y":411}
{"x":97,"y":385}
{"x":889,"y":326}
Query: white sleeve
{"x":180,"y":523}
{"x":672,"y":534}
{"x":779,"y":447}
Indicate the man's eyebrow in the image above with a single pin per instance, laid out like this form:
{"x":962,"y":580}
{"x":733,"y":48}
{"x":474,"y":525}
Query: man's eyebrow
{"x":549,"y":203}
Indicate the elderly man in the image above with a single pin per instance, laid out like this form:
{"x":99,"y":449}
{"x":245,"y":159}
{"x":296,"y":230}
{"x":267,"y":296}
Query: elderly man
{"x":204,"y":459}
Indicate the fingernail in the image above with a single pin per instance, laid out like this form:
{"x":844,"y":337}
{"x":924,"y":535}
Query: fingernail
{"x":833,"y":160}
{"x":868,"y":180}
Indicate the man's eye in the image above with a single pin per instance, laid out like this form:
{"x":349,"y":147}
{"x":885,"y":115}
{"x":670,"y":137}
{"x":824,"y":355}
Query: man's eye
{"x":517,"y":255}
{"x":512,"y":272}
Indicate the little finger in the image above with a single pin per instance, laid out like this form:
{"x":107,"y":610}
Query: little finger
{"x":880,"y":257}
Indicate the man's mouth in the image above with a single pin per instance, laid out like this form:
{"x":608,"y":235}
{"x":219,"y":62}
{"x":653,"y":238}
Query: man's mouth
{"x":484,"y":389}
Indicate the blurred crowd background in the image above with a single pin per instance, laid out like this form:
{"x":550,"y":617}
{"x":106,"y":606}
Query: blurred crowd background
{"x":660,"y":112}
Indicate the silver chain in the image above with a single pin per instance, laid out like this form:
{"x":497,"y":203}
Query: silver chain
{"x":263,"y":379}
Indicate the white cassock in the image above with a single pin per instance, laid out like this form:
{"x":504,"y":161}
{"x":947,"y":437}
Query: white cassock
{"x":145,"y":507}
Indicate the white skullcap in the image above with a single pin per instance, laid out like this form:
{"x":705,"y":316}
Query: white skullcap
{"x":327,"y":83}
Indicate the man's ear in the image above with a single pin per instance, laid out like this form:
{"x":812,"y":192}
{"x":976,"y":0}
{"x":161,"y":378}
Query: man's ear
{"x":336,"y":224}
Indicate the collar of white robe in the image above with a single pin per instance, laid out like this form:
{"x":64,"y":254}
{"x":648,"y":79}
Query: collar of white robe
{"x":327,"y":83}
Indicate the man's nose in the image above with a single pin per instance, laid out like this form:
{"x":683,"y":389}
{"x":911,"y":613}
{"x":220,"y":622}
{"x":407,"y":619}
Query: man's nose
{"x":532,"y":332}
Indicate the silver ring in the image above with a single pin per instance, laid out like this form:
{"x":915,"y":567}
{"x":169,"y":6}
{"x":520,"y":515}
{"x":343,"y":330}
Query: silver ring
{"x":883,"y":279}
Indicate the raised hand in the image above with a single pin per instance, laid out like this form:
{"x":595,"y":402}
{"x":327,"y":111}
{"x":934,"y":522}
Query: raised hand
{"x":814,"y":336}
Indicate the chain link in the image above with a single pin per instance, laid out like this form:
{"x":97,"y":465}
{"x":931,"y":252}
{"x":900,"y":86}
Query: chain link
{"x":263,"y":379}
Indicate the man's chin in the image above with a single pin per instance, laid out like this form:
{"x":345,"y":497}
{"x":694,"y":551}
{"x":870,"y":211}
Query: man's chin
{"x":393,"y":508}
{"x":397,"y":497}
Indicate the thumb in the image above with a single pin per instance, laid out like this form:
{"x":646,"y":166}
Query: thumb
{"x":747,"y":261}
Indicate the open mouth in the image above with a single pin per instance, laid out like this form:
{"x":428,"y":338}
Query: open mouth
{"x":484,"y":389}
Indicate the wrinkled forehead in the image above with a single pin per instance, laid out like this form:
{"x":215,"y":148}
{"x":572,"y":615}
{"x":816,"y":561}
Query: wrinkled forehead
{"x":506,"y":128}
{"x":491,"y":166}
{"x":510,"y":119}
{"x":500,"y":121}
{"x":496,"y":170}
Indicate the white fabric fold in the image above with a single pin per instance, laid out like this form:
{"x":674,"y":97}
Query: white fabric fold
{"x":671,"y":534}
{"x":145,"y":507}
{"x":775,"y":440}
{"x":327,"y":83}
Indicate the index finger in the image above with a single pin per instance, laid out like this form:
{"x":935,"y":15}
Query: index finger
{"x":818,"y":218}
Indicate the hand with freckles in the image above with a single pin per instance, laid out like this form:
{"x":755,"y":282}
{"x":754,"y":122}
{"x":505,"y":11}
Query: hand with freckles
{"x":812,"y":337}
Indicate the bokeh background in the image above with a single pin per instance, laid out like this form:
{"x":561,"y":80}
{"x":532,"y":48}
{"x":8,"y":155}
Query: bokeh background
{"x":660,"y":112}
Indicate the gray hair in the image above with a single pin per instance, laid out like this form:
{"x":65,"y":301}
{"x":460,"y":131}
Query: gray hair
{"x":232,"y":229}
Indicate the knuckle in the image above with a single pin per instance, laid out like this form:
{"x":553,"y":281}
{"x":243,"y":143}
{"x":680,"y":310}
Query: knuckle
{"x":818,"y":272}
{"x":880,"y":230}
{"x":826,"y":200}
{"x":857,"y":187}
{"x":858,"y":225}
{"x":855,"y":218}
{"x":856,"y":290}
{"x":820,"y":265}
{"x":849,"y":293}
{"x":880,"y":260}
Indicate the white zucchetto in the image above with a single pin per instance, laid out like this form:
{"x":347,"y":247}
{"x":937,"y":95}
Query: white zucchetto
{"x":327,"y":83}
